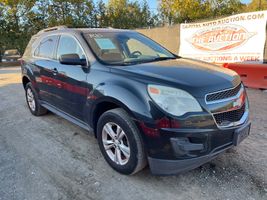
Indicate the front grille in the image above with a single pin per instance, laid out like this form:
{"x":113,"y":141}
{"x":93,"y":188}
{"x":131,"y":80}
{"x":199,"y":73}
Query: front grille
{"x":223,"y":94}
{"x":230,"y":116}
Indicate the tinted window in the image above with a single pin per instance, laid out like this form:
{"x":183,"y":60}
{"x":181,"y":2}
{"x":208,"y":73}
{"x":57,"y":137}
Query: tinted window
{"x":126,"y":48}
{"x":46,"y":47}
{"x":135,"y":46}
{"x":68,"y":45}
{"x":28,"y":50}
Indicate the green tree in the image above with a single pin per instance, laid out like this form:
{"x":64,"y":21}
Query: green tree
{"x":256,"y":5}
{"x":226,"y":7}
{"x":20,"y":19}
{"x":117,"y":13}
{"x":13,"y":18}
{"x":37,"y":19}
{"x":2,"y":29}
{"x":145,"y":17}
{"x":101,"y":13}
{"x":128,"y":14}
{"x":176,"y":11}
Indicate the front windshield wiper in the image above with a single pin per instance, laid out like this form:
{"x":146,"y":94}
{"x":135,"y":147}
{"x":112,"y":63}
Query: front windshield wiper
{"x":126,"y":63}
{"x":135,"y":62}
{"x":162,"y":58}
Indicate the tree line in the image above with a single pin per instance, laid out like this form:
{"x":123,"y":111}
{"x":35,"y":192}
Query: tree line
{"x":178,"y":11}
{"x":20,"y":19}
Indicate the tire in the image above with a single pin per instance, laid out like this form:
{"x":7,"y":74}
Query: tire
{"x":33,"y":102}
{"x":127,"y":145}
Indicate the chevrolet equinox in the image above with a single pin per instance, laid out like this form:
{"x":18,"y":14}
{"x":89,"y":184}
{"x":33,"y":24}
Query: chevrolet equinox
{"x":143,"y":103}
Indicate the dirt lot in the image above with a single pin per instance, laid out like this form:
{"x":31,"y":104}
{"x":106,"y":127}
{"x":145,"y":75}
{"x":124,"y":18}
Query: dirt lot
{"x":49,"y":158}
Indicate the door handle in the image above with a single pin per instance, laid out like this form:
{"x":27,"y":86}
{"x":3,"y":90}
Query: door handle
{"x":55,"y":71}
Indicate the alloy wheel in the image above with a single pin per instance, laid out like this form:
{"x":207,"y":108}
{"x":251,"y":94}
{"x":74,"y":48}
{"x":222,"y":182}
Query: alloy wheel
{"x":116,"y":143}
{"x":30,"y":99}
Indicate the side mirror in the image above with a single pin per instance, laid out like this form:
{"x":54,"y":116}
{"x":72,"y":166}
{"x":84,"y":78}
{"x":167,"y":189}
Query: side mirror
{"x":72,"y":59}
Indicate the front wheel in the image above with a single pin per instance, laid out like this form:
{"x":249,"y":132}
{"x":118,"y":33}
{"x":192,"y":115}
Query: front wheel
{"x":120,"y":142}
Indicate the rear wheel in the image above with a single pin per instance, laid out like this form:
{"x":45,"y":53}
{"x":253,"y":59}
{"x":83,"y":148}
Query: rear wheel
{"x":32,"y":101}
{"x":120,"y":142}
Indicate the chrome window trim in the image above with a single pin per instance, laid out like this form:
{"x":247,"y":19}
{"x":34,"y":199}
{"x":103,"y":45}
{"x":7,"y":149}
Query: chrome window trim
{"x":57,"y":34}
{"x":72,"y":36}
{"x":38,"y":44}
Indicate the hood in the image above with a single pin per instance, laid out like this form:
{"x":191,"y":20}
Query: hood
{"x":196,"y":77}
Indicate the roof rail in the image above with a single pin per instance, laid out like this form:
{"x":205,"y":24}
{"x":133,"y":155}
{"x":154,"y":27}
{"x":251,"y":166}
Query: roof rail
{"x":52,"y":29}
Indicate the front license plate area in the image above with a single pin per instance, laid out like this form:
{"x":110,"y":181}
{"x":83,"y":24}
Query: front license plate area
{"x":240,"y":134}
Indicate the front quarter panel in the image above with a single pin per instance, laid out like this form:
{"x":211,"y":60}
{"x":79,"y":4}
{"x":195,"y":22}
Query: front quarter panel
{"x":128,"y":94}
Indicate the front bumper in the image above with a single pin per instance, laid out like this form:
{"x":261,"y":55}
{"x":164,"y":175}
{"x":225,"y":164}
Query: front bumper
{"x":190,"y":155}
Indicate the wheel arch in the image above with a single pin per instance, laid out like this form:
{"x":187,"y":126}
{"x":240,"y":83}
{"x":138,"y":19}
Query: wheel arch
{"x":127,"y":94}
{"x":105,"y":104}
{"x":25,"y":80}
{"x":28,"y":76}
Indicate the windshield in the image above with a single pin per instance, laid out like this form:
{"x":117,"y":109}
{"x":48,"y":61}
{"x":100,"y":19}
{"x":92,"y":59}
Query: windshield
{"x":125,"y":48}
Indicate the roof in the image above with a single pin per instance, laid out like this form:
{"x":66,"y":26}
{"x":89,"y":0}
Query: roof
{"x":89,"y":30}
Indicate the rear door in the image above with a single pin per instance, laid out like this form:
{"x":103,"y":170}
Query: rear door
{"x":72,"y":93}
{"x":44,"y":64}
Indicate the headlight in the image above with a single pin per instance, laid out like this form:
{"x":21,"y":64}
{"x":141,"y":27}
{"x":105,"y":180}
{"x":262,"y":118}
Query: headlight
{"x":174,"y":101}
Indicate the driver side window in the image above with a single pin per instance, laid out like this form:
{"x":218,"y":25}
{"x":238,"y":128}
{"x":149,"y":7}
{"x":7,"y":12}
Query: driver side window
{"x":68,"y":45}
{"x":135,"y":46}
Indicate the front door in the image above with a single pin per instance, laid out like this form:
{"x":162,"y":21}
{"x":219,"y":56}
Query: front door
{"x":72,"y":89}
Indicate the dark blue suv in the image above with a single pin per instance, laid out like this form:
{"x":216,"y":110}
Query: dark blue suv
{"x":142,"y":102}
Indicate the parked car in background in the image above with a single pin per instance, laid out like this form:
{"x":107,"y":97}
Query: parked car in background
{"x":11,"y":57}
{"x":143,"y":103}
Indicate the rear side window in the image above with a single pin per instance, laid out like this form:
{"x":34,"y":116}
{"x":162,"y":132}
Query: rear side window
{"x":29,"y":48}
{"x":46,"y":47}
{"x":68,"y":45}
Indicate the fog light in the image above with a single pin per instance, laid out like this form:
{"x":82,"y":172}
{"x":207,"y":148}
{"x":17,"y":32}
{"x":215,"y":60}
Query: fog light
{"x":183,"y":146}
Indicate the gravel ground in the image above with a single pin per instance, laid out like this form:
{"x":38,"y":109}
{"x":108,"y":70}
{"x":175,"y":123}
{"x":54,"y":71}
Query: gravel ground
{"x":50,"y":158}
